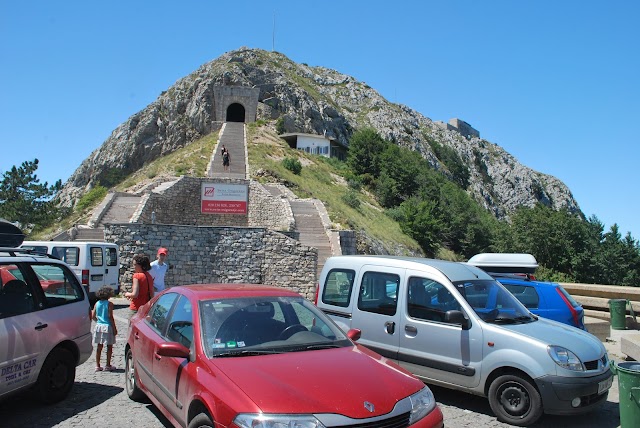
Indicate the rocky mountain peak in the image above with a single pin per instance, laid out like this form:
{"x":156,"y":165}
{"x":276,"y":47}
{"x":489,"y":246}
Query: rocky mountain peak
{"x":314,"y":100}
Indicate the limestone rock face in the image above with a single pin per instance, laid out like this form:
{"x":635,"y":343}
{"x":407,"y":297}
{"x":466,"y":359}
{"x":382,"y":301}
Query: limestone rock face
{"x":314,"y":100}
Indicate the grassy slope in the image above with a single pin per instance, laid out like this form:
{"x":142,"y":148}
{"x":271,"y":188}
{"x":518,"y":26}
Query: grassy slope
{"x":321,"y":179}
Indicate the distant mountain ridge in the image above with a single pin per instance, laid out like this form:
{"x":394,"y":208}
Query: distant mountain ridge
{"x":313,"y":100}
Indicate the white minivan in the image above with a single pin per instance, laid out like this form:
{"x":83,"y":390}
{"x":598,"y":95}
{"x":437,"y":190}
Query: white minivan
{"x":95,"y":263}
{"x":453,"y":325}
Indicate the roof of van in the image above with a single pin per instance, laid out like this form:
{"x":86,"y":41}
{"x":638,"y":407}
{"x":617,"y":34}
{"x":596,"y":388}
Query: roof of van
{"x":455,"y":271}
{"x":26,"y":243}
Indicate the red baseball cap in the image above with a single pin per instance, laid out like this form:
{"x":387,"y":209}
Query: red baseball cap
{"x":163,"y":250}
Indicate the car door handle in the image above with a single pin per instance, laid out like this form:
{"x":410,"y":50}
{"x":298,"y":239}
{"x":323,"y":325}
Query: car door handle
{"x":390,"y":327}
{"x":411,"y":329}
{"x":156,"y":356}
{"x":41,"y":326}
{"x":136,"y":335}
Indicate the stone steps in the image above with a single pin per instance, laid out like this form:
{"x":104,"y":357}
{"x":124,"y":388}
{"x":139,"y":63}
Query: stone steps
{"x":121,"y":209}
{"x":96,"y":234}
{"x":232,"y":137}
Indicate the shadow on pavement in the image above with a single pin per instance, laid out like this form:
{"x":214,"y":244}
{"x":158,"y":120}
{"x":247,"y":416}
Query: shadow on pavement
{"x":22,"y":410}
{"x":606,"y":416}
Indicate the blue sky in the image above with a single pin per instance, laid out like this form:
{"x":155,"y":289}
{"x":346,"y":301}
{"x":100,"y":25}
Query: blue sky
{"x":555,"y":83}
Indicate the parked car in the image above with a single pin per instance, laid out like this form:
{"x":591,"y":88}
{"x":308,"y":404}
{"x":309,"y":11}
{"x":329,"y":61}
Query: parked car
{"x":547,"y":299}
{"x":453,"y":325}
{"x":43,"y":335}
{"x":257,"y":356}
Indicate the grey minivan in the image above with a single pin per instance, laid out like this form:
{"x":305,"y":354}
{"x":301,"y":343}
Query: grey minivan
{"x":453,"y":325}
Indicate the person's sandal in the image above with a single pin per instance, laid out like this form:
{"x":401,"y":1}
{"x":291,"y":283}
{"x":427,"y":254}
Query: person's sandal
{"x":109,"y":368}
{"x":99,"y":369}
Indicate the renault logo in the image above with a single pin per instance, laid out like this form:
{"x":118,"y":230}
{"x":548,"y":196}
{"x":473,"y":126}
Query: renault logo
{"x":370,"y":407}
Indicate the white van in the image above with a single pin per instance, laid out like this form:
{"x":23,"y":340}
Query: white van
{"x":453,"y":325}
{"x":94,"y":263}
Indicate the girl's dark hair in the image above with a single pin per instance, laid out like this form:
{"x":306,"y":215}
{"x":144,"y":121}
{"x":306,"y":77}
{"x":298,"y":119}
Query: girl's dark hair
{"x":104,"y":292}
{"x":143,"y":261}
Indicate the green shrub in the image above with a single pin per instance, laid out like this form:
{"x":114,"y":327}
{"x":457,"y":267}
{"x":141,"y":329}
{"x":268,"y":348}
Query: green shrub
{"x":280,"y":125}
{"x":292,"y":165}
{"x":351,"y":198}
{"x":91,"y":198}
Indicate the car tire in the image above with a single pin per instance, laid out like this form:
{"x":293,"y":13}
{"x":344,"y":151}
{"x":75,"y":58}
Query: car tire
{"x":57,"y":375}
{"x":515,"y":400}
{"x":131,"y":385}
{"x":202,"y":420}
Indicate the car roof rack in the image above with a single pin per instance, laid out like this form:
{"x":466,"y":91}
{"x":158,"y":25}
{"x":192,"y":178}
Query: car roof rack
{"x":17,"y":252}
{"x":512,"y":275}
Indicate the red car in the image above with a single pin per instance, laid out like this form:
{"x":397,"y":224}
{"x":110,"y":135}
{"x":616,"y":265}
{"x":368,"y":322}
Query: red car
{"x":52,"y":286}
{"x":241,"y":355}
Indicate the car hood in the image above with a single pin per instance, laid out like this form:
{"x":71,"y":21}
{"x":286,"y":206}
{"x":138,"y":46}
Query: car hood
{"x":320,"y":381}
{"x":585,"y":345}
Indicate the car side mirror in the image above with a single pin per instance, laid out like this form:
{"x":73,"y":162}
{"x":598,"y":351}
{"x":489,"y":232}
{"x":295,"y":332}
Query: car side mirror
{"x":173,"y":349}
{"x":354,"y":334}
{"x":457,"y":317}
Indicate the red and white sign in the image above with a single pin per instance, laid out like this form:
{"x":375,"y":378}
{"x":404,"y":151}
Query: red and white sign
{"x":220,"y":198}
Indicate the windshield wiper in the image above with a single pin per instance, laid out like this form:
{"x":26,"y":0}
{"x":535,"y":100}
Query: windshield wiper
{"x":322,"y":346}
{"x":510,"y":320}
{"x":245,"y":353}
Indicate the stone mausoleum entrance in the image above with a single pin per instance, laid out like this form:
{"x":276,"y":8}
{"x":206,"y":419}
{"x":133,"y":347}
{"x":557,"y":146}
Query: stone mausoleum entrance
{"x":235,"y":113}
{"x":235,"y":104}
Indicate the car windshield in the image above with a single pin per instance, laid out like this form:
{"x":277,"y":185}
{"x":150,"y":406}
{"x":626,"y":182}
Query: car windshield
{"x":266,"y":324}
{"x":493,"y":303}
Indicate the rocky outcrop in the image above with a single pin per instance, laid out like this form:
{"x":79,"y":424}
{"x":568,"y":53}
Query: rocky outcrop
{"x":311,"y":100}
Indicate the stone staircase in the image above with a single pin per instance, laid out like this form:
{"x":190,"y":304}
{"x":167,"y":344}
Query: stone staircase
{"x":121,"y":209}
{"x":233,"y":138}
{"x":311,"y":229}
{"x":308,"y":222}
{"x":90,"y":234}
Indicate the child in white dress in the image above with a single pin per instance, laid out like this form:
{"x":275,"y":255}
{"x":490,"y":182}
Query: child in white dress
{"x":105,"y":331}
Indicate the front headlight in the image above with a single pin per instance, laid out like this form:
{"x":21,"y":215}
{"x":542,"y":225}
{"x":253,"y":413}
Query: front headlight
{"x":260,"y":420}
{"x":565,"y":358}
{"x":422,"y":403}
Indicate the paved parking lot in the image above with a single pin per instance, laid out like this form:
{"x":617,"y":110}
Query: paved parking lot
{"x":99,"y":400}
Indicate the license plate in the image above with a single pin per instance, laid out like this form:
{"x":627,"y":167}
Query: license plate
{"x":605,"y":385}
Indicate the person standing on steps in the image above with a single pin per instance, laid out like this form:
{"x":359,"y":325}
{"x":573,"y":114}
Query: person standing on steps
{"x":226,"y":159}
{"x":159,"y":269}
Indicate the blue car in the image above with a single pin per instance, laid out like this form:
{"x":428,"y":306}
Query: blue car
{"x":546,"y":299}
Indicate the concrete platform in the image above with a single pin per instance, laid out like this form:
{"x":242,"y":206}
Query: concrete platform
{"x":624,"y":344}
{"x":598,"y":327}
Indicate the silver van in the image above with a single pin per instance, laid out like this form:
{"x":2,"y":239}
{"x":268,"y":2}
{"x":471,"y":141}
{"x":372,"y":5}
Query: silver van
{"x":94,"y":263}
{"x":453,"y":325}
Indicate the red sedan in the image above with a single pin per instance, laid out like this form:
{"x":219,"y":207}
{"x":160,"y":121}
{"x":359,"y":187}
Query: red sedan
{"x":240,"y":355}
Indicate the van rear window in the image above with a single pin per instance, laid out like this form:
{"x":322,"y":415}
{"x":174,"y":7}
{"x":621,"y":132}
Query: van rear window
{"x":96,"y":256}
{"x":337,"y":287}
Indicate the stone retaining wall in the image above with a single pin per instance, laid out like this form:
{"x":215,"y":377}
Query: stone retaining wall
{"x":180,"y":204}
{"x":201,"y":254}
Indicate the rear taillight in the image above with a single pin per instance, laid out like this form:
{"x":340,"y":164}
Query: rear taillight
{"x":315,"y":301}
{"x":574,"y":313}
{"x":85,"y":276}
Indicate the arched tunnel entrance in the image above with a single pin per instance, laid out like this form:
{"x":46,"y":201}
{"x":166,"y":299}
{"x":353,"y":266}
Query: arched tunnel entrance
{"x":235,"y":113}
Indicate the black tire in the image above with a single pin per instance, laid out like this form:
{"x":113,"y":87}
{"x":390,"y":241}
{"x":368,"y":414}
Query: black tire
{"x":131,"y":385}
{"x":515,"y":400}
{"x":202,"y":420}
{"x":56,"y":377}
